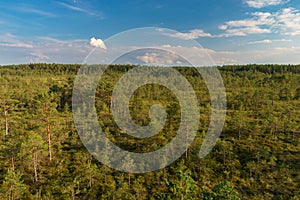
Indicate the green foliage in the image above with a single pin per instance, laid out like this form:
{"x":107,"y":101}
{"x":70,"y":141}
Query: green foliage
{"x":42,"y":157}
{"x":222,"y":191}
{"x":13,"y":186}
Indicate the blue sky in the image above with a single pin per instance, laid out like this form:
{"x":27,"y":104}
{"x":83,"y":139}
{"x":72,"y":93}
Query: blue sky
{"x":232,"y":31}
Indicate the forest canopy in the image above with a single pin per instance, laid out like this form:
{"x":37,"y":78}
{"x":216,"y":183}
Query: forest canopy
{"x":256,"y":157}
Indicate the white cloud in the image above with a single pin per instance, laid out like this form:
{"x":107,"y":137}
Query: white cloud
{"x":148,"y":58}
{"x":37,"y":57}
{"x":285,"y":21}
{"x":288,"y":21}
{"x":78,"y":9}
{"x":21,"y":45}
{"x":192,"y":34}
{"x":73,"y":7}
{"x":267,"y":41}
{"x":166,"y":46}
{"x":244,"y":31}
{"x":97,"y":43}
{"x":264,"y":3}
{"x":45,"y":49}
{"x":34,"y":11}
{"x":26,"y":8}
{"x":259,"y":23}
{"x":74,"y":51}
{"x":159,"y":59}
{"x":9,"y":40}
{"x":258,"y":18}
{"x":283,"y":40}
{"x":223,"y":27}
{"x":59,"y":51}
{"x":261,"y":42}
{"x":280,"y":55}
{"x":286,"y":55}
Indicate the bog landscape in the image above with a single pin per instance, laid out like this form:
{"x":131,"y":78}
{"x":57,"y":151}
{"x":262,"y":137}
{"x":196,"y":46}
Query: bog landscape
{"x":154,"y":100}
{"x":256,"y":157}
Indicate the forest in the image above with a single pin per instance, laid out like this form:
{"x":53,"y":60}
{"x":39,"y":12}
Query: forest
{"x":256,"y":157}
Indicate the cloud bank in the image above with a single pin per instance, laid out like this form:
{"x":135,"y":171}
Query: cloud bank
{"x":264,"y":3}
{"x":192,"y":34}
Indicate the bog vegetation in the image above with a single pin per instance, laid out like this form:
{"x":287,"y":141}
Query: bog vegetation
{"x":257,"y":156}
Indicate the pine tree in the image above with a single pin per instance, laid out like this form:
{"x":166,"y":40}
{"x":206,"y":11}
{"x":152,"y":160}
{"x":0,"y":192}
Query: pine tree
{"x":13,"y":187}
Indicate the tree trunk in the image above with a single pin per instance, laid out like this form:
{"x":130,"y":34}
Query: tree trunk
{"x":186,"y":142}
{"x":35,"y":164}
{"x":6,"y":121}
{"x":11,"y":195}
{"x":49,"y":141}
{"x":73,"y":194}
{"x":90,"y":179}
{"x":13,"y":163}
{"x":48,"y":133}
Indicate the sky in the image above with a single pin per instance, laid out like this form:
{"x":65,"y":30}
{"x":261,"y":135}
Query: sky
{"x":231,"y":31}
